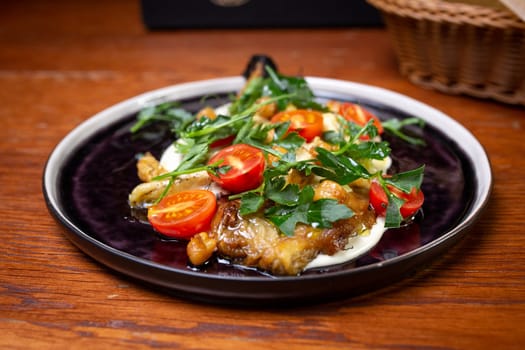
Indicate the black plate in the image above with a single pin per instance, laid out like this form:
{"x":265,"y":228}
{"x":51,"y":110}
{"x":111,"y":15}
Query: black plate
{"x":91,"y":172}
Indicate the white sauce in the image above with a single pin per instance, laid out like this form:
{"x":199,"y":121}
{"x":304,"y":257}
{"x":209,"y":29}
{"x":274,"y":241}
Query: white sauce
{"x":170,"y":159}
{"x":356,"y":246}
{"x":223,"y":110}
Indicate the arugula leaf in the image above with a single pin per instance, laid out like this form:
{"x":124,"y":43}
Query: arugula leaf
{"x":395,"y":126}
{"x":350,"y":142}
{"x":194,"y":154}
{"x":276,"y":85}
{"x":251,"y":93}
{"x":301,"y":94}
{"x":169,"y":112}
{"x":234,"y":121}
{"x":290,"y":142}
{"x":281,"y":129}
{"x":256,"y":135}
{"x":253,"y":132}
{"x":287,"y":162}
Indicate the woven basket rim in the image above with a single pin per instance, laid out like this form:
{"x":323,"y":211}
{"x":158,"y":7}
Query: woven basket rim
{"x":451,"y":12}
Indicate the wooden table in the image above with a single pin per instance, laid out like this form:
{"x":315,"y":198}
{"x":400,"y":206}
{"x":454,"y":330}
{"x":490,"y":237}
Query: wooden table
{"x":63,"y":61}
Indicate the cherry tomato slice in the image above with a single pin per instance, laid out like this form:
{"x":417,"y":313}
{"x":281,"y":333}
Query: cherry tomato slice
{"x":223,"y":142}
{"x":245,"y":166}
{"x":413,"y":201}
{"x":378,"y":198}
{"x":183,"y":214}
{"x":359,"y":115}
{"x":379,"y":201}
{"x":307,"y":123}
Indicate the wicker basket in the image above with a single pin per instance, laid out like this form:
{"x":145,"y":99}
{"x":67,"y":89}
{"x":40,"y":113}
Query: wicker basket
{"x":458,"y":48}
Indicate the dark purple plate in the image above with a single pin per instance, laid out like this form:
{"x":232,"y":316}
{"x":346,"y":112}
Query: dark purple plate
{"x":92,"y":170}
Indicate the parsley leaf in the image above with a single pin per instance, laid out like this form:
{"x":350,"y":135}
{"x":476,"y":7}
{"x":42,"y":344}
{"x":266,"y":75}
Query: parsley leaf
{"x":324,"y":212}
{"x":407,"y":180}
{"x":280,"y":193}
{"x":404,"y":181}
{"x":251,"y":202}
{"x":321,"y":214}
{"x":393,"y":216}
{"x":339,"y":168}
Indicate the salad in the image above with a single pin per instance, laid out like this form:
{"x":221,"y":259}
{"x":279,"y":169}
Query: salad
{"x":277,"y":180}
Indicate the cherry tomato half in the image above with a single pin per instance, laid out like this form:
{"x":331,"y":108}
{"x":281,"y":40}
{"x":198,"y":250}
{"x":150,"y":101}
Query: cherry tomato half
{"x":183,"y":214}
{"x":413,"y":201}
{"x":379,"y":201}
{"x":359,"y":115}
{"x":245,"y":166}
{"x":307,"y":123}
{"x":378,"y":198}
{"x":223,"y":142}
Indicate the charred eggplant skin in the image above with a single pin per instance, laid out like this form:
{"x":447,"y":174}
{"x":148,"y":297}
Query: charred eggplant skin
{"x":257,"y":62}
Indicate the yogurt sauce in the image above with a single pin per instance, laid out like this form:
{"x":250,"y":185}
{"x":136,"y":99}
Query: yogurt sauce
{"x":356,"y":246}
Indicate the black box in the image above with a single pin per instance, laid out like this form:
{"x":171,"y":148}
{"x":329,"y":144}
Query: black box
{"x":170,"y":14}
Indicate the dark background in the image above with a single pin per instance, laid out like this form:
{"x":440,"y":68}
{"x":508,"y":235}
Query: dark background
{"x":169,"y":14}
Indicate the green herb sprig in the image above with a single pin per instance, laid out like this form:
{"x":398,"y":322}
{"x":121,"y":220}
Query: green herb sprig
{"x":395,"y":126}
{"x":169,"y":112}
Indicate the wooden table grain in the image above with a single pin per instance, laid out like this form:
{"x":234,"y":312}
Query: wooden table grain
{"x":63,"y":61}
